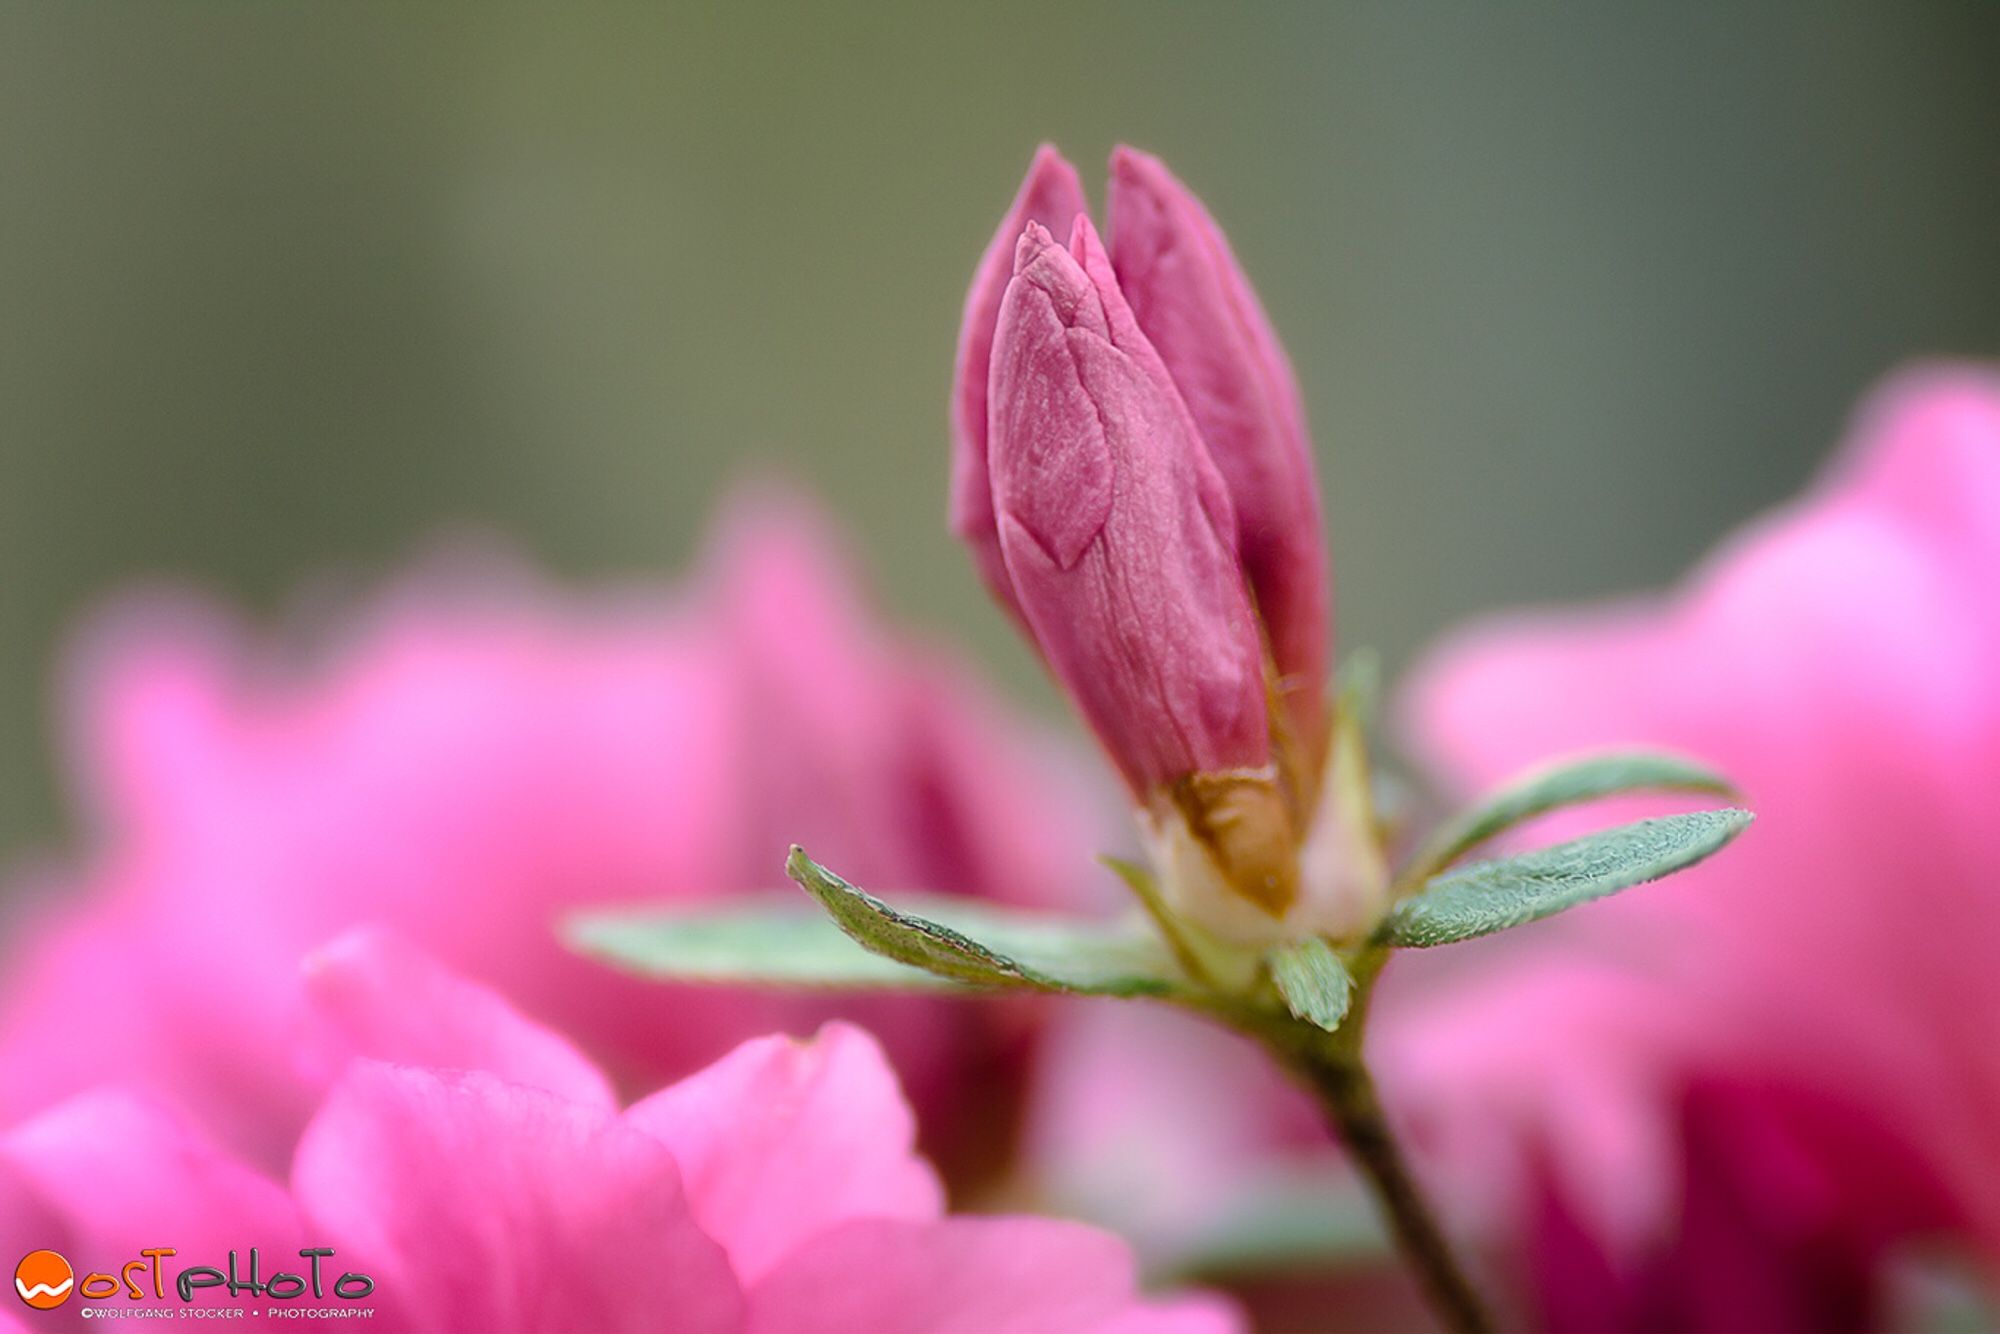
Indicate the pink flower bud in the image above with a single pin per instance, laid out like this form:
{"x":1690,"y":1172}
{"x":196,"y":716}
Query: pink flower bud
{"x":1113,"y":509}
{"x":1198,"y":310}
{"x":1116,"y":529}
{"x":1051,"y":196}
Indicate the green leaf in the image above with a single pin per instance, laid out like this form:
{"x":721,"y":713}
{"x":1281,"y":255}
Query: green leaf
{"x":777,"y":944}
{"x":1567,"y":784}
{"x":982,"y":945}
{"x":915,"y":941}
{"x":789,"y":944}
{"x":1313,"y":981}
{"x":1485,"y":897}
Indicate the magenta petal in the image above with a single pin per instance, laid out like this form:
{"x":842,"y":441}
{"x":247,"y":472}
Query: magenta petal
{"x":1099,"y":1144}
{"x":1202,"y":1313}
{"x":781,"y":1139}
{"x":510,"y":752}
{"x":1837,"y":659}
{"x":373,"y":994}
{"x":1053,"y":197}
{"x":121,"y":1173}
{"x":1199,"y":311}
{"x":89,"y":984}
{"x":483,"y":1206}
{"x":25,"y":1216}
{"x":965,"y":1276}
{"x":1116,"y":527}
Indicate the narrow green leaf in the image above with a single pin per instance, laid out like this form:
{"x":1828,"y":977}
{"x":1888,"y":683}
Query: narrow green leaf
{"x":783,"y":943}
{"x":877,"y":927}
{"x":1566,"y":784}
{"x":789,"y":944}
{"x":1491,"y":896}
{"x":982,"y":945}
{"x":1313,"y":981}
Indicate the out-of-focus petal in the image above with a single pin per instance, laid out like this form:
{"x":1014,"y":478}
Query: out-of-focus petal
{"x":469,"y":755}
{"x":1128,"y":1130}
{"x":964,"y":1276}
{"x":780,"y":1140}
{"x":374,"y":995}
{"x":194,"y":1012}
{"x":1837,"y":660}
{"x":123,"y":1173}
{"x":479,"y":1205}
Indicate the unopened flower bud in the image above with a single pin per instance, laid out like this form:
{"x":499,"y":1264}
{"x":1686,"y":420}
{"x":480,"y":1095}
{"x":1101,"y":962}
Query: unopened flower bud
{"x":1051,"y":196}
{"x":1144,"y":504}
{"x":1120,"y":553}
{"x":1183,"y":283}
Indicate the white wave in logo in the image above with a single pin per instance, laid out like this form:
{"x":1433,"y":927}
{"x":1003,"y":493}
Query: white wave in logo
{"x":42,"y":1289}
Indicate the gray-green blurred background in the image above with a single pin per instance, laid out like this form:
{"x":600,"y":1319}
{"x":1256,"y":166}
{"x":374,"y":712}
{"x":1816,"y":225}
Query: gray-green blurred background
{"x":1571,"y":289}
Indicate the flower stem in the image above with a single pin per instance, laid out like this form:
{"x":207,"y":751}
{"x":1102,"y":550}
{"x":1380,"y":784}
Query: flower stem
{"x":1330,"y":1065}
{"x":1347,"y":1093}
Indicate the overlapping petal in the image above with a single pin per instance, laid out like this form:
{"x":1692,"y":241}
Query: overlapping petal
{"x":1821,"y":998}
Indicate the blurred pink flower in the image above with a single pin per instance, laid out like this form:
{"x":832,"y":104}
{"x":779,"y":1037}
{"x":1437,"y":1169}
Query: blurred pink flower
{"x":1129,"y":1129}
{"x":1724,"y":1102}
{"x":473,"y":757}
{"x":478,"y":1169}
{"x":1727,"y":1101}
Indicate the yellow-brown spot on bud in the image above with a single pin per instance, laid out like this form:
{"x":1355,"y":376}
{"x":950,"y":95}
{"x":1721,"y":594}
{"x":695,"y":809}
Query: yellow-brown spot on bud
{"x":1242,"y":820}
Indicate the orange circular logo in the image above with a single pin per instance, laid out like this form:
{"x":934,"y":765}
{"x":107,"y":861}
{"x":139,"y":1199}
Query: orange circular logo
{"x":43,"y":1279}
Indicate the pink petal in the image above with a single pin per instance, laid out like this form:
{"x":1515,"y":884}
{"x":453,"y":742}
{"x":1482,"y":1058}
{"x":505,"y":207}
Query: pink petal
{"x":962,"y":1276}
{"x":1200,"y":1314}
{"x":1837,"y":660}
{"x":375,"y":995}
{"x":1199,"y":311}
{"x":122,"y":1174}
{"x":780,"y":1140}
{"x":510,"y":752}
{"x":479,"y":1205}
{"x":1052,"y":196}
{"x":1102,"y":1146}
{"x":1116,"y":527}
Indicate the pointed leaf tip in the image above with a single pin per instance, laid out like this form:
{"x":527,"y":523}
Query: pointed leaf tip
{"x":1485,"y":897}
{"x":877,"y":927}
{"x":981,"y":944}
{"x":1567,"y":783}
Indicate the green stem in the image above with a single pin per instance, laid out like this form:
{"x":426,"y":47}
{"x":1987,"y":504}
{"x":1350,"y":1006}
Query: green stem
{"x":1347,"y":1093}
{"x":1331,"y":1066}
